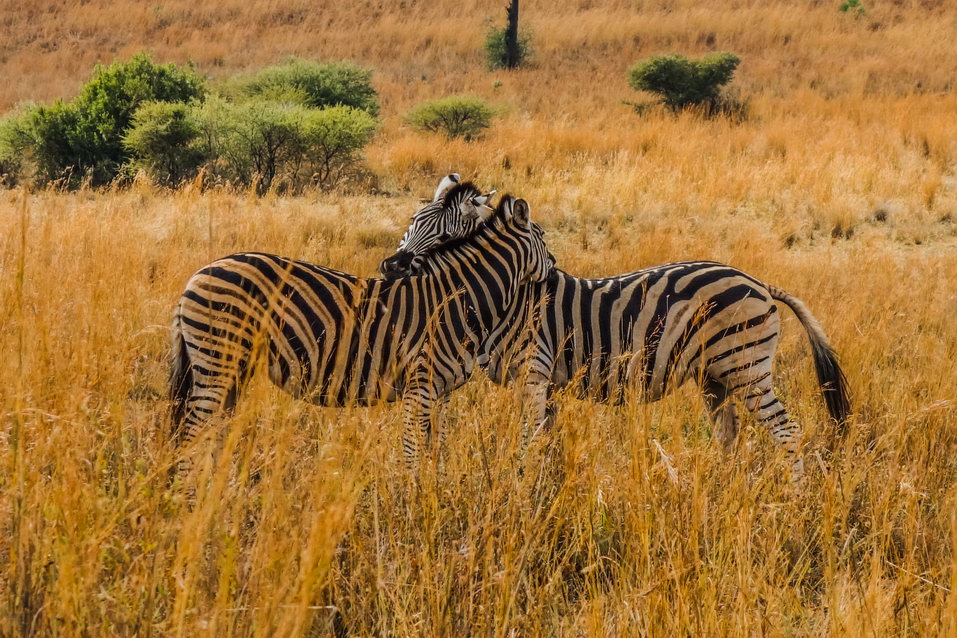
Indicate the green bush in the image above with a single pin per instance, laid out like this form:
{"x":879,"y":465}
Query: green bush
{"x":165,"y":141}
{"x":457,"y":116}
{"x":854,"y":7}
{"x":262,"y":143}
{"x":84,"y":138}
{"x":312,"y":84}
{"x":332,"y":140}
{"x":63,"y":145}
{"x":496,"y":53}
{"x":684,"y":83}
{"x":289,"y":125}
{"x":253,"y":141}
{"x":15,"y":141}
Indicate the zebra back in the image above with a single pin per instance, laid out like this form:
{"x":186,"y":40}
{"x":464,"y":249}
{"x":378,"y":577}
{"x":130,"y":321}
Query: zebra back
{"x":653,"y":328}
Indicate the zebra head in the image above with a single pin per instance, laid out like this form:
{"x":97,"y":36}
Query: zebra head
{"x":508,"y":231}
{"x":541,"y":262}
{"x":456,"y":211}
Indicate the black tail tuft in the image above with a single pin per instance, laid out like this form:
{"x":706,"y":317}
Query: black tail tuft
{"x":832,"y":381}
{"x":829,"y":374}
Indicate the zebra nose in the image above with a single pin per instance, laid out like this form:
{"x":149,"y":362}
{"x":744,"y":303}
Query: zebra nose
{"x":398,"y":265}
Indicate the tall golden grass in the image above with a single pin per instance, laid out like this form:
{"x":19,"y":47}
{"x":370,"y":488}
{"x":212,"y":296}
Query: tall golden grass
{"x":634,"y":523}
{"x":627,"y":521}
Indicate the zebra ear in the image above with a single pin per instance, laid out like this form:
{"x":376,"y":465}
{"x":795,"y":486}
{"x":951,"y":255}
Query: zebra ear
{"x":479,"y":208}
{"x":445,"y":185}
{"x":521,"y":212}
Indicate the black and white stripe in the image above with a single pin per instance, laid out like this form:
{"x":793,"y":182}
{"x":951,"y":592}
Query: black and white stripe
{"x":651,"y":331}
{"x":336,"y":339}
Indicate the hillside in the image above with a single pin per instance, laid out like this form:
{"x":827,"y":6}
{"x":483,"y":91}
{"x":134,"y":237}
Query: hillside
{"x":427,"y":48}
{"x":848,"y":113}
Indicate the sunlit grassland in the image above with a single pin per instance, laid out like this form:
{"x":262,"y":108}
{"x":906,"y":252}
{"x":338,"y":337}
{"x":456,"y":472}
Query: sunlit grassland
{"x":839,"y":188}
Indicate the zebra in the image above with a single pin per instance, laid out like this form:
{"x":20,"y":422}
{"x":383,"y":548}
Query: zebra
{"x":336,"y":339}
{"x":650,"y":330}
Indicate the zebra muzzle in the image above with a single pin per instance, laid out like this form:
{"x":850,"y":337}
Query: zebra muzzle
{"x":398,"y":265}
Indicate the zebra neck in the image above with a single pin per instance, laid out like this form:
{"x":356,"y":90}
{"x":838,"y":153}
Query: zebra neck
{"x":485,"y":269}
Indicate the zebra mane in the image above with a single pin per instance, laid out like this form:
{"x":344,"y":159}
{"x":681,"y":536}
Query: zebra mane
{"x":459,"y":192}
{"x":498,"y":214}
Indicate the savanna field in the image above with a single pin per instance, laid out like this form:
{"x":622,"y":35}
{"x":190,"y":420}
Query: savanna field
{"x":839,"y":187}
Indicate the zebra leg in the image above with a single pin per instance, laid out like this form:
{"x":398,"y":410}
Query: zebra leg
{"x":209,"y":397}
{"x":201,"y":412}
{"x":439,"y":419}
{"x":770,"y":412}
{"x":539,"y":409}
{"x":722,"y":412}
{"x":418,"y":405}
{"x":194,"y":423}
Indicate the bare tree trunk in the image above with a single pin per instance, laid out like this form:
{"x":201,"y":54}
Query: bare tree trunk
{"x":511,"y":36}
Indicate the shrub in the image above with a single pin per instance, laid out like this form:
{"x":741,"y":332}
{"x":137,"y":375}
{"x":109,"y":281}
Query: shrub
{"x":457,"y":116}
{"x":84,"y":138}
{"x":165,"y":141}
{"x":140,"y":115}
{"x":258,"y":143}
{"x":63,"y":146}
{"x":854,"y":7}
{"x":312,"y":84}
{"x":15,"y":140}
{"x":496,"y":52}
{"x":332,"y":140}
{"x":107,"y":102}
{"x":253,"y":141}
{"x":684,"y":83}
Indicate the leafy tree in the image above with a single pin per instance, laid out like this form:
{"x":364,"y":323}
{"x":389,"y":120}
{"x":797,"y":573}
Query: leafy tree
{"x":292,"y":124}
{"x":253,"y":141}
{"x":165,"y":140}
{"x":312,"y":84}
{"x":507,"y":47}
{"x":456,"y":116}
{"x":63,"y":145}
{"x":684,"y":83}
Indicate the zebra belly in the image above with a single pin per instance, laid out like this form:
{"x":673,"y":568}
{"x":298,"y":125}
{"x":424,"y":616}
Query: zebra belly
{"x":733,"y":345}
{"x":611,"y":381}
{"x":341,"y":390}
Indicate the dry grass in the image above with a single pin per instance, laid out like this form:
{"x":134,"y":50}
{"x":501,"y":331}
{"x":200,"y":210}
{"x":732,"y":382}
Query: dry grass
{"x":636,"y":525}
{"x":840,"y":189}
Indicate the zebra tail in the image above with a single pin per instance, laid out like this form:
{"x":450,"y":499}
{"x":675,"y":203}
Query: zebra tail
{"x":830,"y":377}
{"x":180,"y":380}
